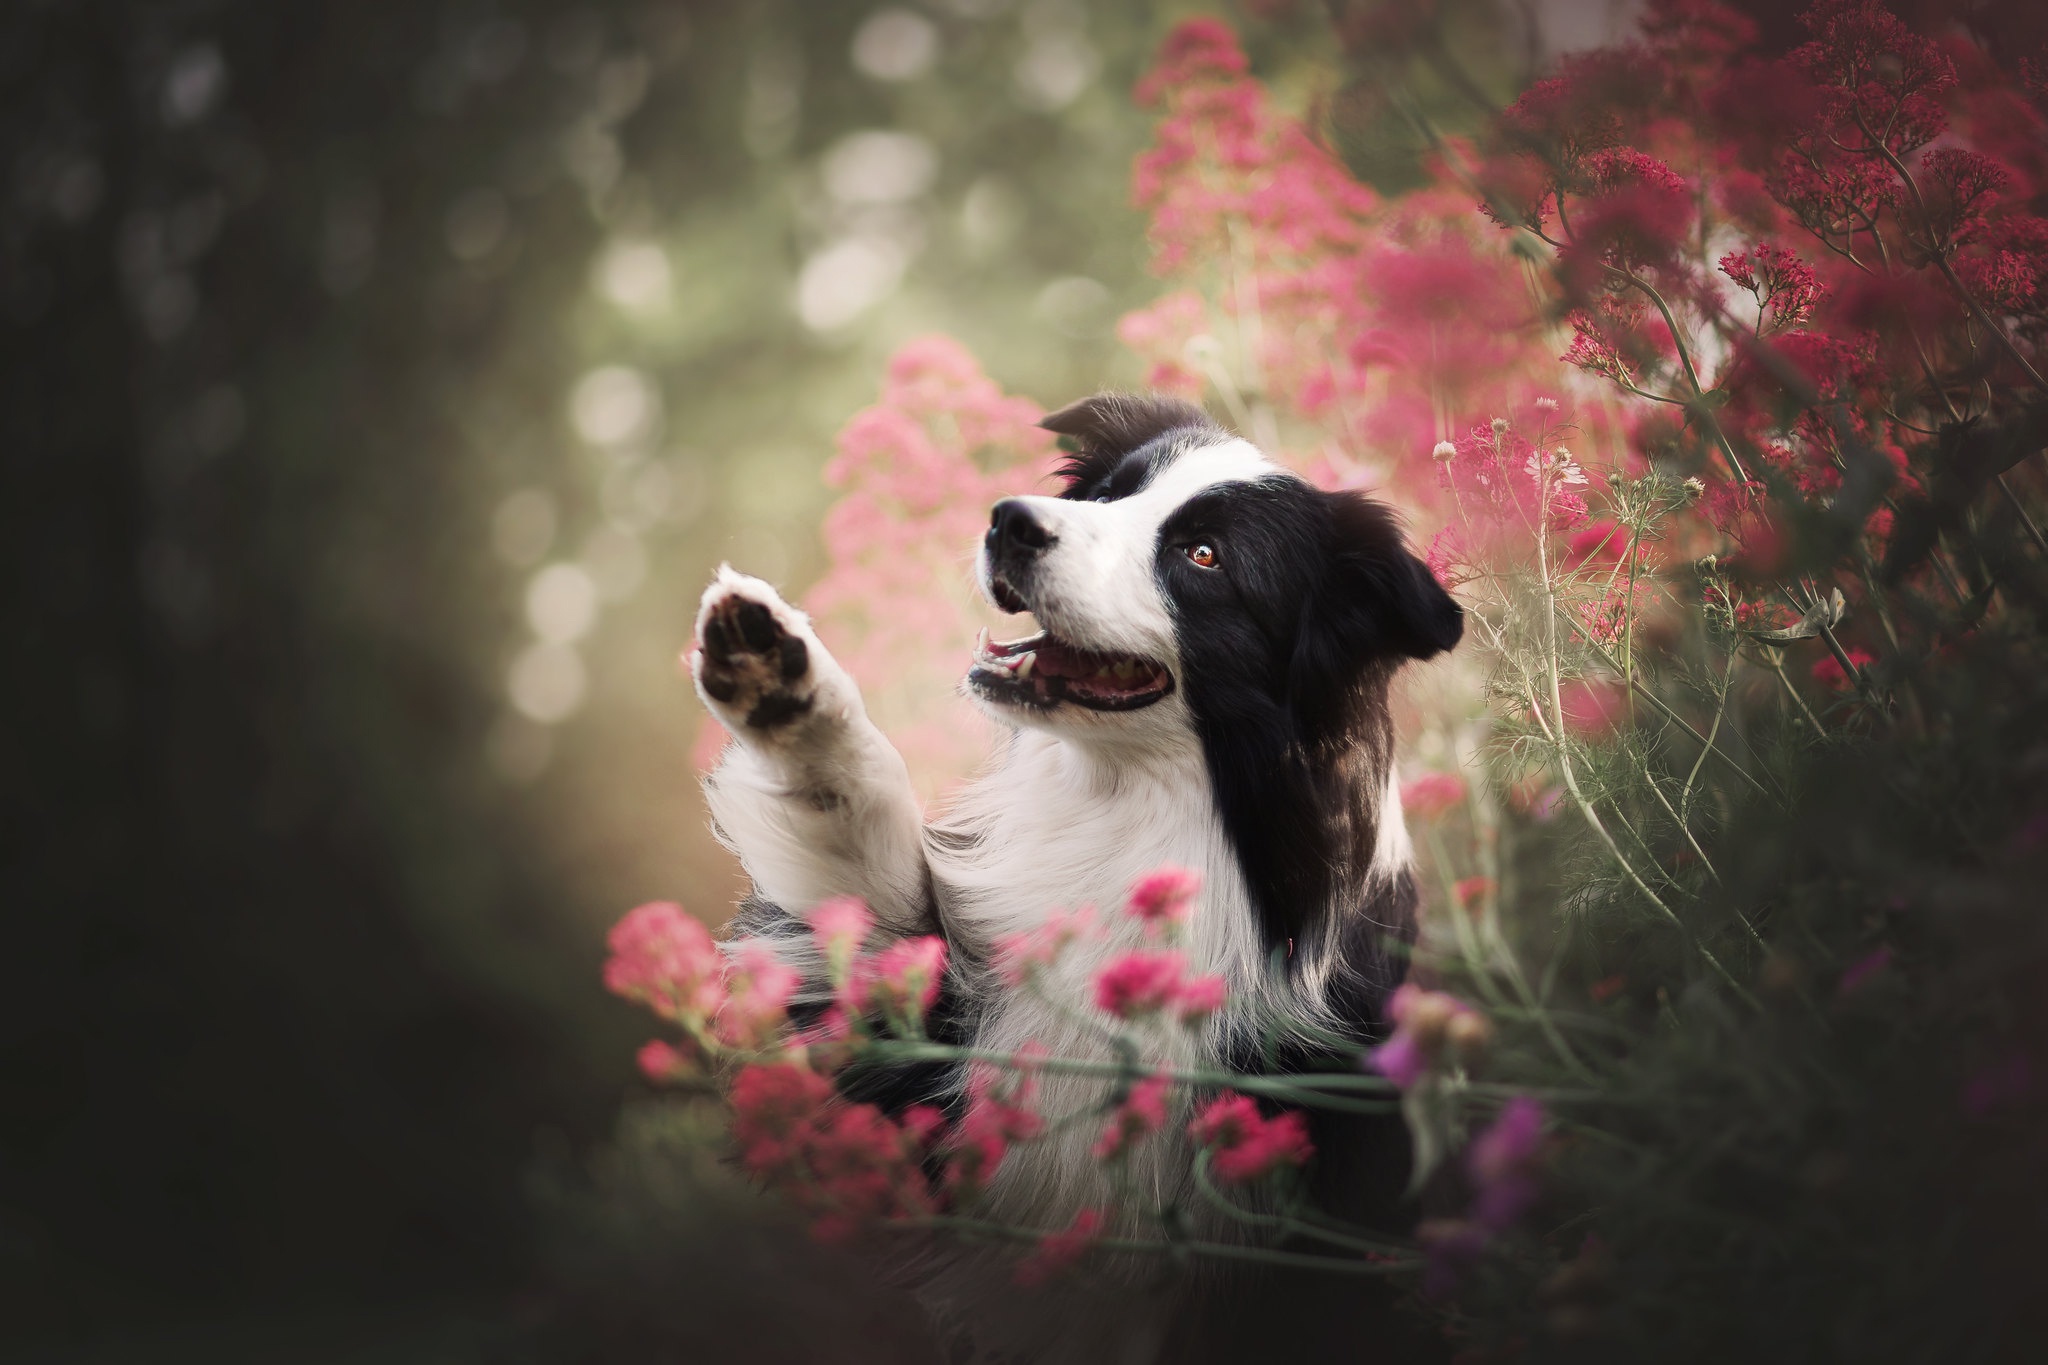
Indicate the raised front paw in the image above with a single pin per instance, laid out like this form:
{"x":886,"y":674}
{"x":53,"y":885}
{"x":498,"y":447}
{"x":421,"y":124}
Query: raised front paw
{"x":756,"y":662}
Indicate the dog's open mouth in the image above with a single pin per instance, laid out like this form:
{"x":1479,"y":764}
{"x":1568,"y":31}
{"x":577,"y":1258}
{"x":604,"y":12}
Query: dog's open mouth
{"x":1042,"y":671}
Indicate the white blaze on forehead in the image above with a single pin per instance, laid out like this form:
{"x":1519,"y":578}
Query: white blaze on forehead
{"x":1096,"y":587}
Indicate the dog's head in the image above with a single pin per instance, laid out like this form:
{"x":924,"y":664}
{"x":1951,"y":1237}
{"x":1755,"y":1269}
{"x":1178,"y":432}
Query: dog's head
{"x":1181,"y":571}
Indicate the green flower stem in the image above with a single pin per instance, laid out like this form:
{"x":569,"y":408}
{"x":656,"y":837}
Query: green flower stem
{"x":1222,"y":1251}
{"x":1571,"y":781}
{"x":1282,"y":1222}
{"x":1658,"y":704}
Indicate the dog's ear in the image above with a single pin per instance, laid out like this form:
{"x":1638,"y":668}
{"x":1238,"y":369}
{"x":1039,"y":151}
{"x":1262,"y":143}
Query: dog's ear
{"x":1377,"y":600}
{"x":1097,"y":432}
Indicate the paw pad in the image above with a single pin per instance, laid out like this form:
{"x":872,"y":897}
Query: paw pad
{"x":752,"y":664}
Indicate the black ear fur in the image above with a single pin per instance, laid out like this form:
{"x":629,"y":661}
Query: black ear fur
{"x":1387,"y":597}
{"x":1103,"y":429}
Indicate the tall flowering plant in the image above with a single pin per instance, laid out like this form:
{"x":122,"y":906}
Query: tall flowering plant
{"x":854,"y":1169}
{"x":1712,"y":374}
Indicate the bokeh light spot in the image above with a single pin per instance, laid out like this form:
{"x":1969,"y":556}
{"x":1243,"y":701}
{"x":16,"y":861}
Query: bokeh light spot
{"x":614,"y":405}
{"x":547,"y":683}
{"x":895,"y":45}
{"x":561,"y":603}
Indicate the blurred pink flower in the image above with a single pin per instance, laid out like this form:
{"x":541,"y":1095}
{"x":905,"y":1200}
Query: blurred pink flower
{"x":759,"y":987}
{"x":1432,"y":795}
{"x":1164,"y":896}
{"x":1057,"y":1251}
{"x":1243,"y":1144}
{"x":1142,"y":1113}
{"x":666,"y":960}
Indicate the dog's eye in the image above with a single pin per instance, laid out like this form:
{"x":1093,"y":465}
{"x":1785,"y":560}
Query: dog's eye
{"x":1202,"y":555}
{"x":1100,"y":497}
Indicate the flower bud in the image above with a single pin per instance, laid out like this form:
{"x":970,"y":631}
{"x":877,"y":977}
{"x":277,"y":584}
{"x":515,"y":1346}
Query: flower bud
{"x":1469,"y":1034}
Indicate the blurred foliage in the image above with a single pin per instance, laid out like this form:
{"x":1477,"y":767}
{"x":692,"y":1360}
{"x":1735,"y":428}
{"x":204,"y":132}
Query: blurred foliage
{"x":381,"y":381}
{"x":378,"y":383}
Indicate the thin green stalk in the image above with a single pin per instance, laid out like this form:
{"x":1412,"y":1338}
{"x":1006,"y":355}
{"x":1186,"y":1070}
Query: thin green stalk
{"x":1223,"y":1251}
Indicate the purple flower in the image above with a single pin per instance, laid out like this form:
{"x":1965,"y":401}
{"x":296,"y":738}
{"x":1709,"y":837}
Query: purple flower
{"x":1862,"y":969}
{"x":2001,"y":1083}
{"x":1401,"y":1060}
{"x":1498,"y":1161}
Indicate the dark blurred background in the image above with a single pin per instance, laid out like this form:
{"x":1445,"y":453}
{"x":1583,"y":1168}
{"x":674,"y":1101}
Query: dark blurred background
{"x":381,"y":381}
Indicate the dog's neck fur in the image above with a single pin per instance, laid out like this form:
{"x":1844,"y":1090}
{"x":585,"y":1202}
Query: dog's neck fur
{"x":1057,"y":824}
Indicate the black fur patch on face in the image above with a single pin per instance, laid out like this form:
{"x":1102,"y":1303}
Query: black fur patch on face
{"x":1114,"y":441}
{"x":1288,"y":644}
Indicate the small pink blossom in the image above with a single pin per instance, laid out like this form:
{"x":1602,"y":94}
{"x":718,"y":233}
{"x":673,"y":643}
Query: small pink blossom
{"x":1057,"y":1251}
{"x":1243,"y":1144}
{"x":1828,"y":671}
{"x":666,"y":960}
{"x":841,"y":925}
{"x":1199,"y":997}
{"x":1164,"y":896}
{"x":1432,"y":795}
{"x":1427,"y":1024}
{"x":998,"y":1115}
{"x":756,"y":1006}
{"x":844,"y":1164}
{"x":901,"y":982}
{"x":663,"y":1063}
{"x":1021,"y":956}
{"x":1146,"y":981}
{"x":1142,"y":1113}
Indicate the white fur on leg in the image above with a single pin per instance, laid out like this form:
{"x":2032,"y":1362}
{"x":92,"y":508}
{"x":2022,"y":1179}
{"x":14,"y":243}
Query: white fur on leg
{"x":811,"y":795}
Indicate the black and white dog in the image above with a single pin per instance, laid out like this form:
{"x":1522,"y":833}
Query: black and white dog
{"x":1209,"y":689}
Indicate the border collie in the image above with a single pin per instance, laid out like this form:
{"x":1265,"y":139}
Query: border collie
{"x":1208,"y":687}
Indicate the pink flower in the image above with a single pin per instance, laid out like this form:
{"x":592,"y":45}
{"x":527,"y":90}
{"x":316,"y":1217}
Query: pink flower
{"x":1243,"y":1144}
{"x":841,"y":925}
{"x":1432,"y":795}
{"x":1164,"y":896}
{"x":1499,"y":1162}
{"x":664,"y":1064}
{"x":1828,"y":672}
{"x":900,"y":983}
{"x":1059,"y":1250}
{"x":773,"y":1107}
{"x":1142,"y":1113}
{"x":1139,"y":983}
{"x":1146,"y":981}
{"x":1471,"y":891}
{"x":1427,"y":1024}
{"x":844,"y":1164}
{"x":1199,"y":997}
{"x":996,"y":1117}
{"x":759,"y":986}
{"x":666,"y":960}
{"x":1401,"y":1060}
{"x":1020,"y":956}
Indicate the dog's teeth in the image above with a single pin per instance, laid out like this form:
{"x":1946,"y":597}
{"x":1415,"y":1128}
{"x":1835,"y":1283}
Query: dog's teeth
{"x":981,"y":641}
{"x":1025,"y":663}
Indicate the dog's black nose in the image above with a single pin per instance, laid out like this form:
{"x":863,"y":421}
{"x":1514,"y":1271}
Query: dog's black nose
{"x":1014,"y":526}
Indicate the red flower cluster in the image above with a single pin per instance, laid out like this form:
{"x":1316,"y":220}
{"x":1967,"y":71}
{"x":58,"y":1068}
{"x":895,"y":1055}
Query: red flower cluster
{"x":1141,"y":1114}
{"x":1147,"y":981}
{"x":666,"y":960}
{"x":1243,"y":1144}
{"x":844,"y":1164}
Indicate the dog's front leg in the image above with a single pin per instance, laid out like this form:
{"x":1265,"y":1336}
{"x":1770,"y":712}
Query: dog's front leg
{"x":811,"y":796}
